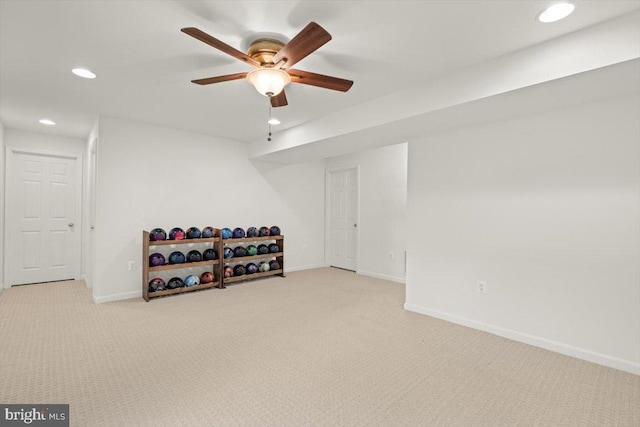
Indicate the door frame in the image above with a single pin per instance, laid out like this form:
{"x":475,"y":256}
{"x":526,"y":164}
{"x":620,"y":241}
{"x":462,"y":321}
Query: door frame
{"x":327,"y":212}
{"x":9,"y":213}
{"x":92,"y":180}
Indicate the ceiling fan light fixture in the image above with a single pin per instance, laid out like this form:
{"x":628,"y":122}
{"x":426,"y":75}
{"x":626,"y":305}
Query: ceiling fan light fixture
{"x":556,"y":12}
{"x":269,"y":81}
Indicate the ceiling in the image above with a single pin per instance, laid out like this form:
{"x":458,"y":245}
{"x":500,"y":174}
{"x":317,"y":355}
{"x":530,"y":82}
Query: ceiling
{"x":145,"y":64}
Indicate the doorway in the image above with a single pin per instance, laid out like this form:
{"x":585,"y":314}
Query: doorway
{"x":43,"y":217}
{"x":343,"y":207}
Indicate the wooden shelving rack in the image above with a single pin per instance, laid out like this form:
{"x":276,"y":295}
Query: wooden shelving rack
{"x":147,"y":271}
{"x":279,"y":256}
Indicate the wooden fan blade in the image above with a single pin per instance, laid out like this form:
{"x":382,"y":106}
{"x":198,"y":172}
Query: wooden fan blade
{"x":279,"y":100}
{"x":305,"y":42}
{"x":214,"y":42}
{"x":218,"y":79}
{"x":320,"y":80}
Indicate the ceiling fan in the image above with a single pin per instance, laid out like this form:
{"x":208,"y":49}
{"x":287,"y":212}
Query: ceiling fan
{"x":273,"y":60}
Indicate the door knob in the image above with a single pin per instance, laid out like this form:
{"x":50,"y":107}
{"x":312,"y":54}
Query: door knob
{"x":70,"y":224}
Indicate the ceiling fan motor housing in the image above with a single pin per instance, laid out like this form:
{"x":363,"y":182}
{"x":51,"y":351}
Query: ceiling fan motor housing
{"x":262,"y":50}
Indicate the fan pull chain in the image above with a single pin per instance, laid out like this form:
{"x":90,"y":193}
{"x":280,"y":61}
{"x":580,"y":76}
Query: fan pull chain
{"x":269,"y":121}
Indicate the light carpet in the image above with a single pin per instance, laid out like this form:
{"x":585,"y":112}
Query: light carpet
{"x":321,"y":347}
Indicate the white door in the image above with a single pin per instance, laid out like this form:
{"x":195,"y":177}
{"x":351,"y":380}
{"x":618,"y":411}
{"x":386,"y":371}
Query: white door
{"x":44,"y":237}
{"x":343,"y":221}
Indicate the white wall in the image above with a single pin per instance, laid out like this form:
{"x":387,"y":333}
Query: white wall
{"x":383,"y":201}
{"x":2,"y":203}
{"x":546,"y":209}
{"x":150,"y":176}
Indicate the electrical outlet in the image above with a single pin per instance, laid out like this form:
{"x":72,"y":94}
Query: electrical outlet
{"x":304,"y":247}
{"x":482,"y":287}
{"x":391,"y":256}
{"x":131,"y":265}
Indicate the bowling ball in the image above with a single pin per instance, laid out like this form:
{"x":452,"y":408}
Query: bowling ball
{"x":208,"y":232}
{"x":263,"y":249}
{"x":157,"y":234}
{"x":175,"y":282}
{"x":274,"y":265}
{"x":239,"y":270}
{"x":273,"y":248}
{"x":194,"y":256}
{"x":252,"y":232}
{"x":176,"y":233}
{"x":274,"y":230}
{"x":251,"y":268}
{"x":193,"y":233}
{"x":156,"y":260}
{"x":228,"y":252}
{"x":156,"y":285}
{"x":206,"y":277}
{"x":239,"y":251}
{"x":210,"y":254}
{"x":238,"y":233}
{"x":226,"y":233}
{"x":264,"y":266}
{"x":191,"y":280}
{"x":228,"y":272}
{"x":252,"y":250}
{"x":264,"y":231}
{"x":176,"y":257}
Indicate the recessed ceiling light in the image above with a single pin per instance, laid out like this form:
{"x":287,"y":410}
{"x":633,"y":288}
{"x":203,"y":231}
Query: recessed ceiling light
{"x":556,"y":12}
{"x":82,"y":72}
{"x":274,"y":122}
{"x":47,"y":122}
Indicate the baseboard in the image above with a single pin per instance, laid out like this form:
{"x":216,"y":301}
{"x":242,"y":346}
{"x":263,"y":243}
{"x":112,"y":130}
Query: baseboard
{"x":302,"y":267}
{"x":558,"y":347}
{"x":382,"y":276}
{"x":117,"y":297}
